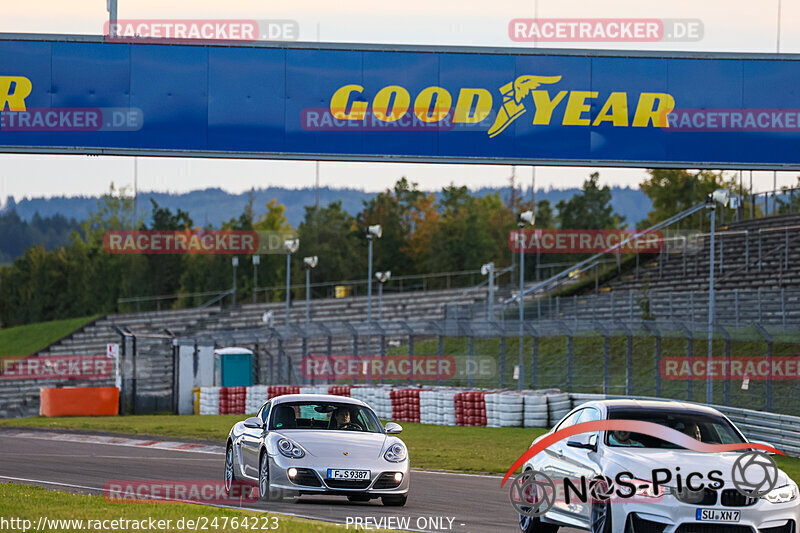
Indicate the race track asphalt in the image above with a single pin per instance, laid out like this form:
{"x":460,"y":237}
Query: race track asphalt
{"x":475,"y":503}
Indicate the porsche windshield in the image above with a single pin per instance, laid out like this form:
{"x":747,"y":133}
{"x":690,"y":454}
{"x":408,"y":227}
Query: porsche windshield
{"x":704,"y":427}
{"x":324,"y":415}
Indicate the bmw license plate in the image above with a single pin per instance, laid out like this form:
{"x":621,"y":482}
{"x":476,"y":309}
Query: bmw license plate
{"x":334,"y":473}
{"x":717,"y":515}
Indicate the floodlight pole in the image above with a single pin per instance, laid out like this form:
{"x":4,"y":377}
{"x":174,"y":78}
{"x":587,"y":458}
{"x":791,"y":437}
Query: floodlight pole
{"x":308,"y":296}
{"x":256,"y":262}
{"x":111,"y":7}
{"x":709,"y":383}
{"x":521,"y":305}
{"x":235,"y":263}
{"x":288,"y":278}
{"x":369,"y":297}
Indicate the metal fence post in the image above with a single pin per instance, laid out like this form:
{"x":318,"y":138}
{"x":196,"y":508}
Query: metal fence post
{"x":651,"y":327}
{"x":502,"y":361}
{"x":606,"y":356}
{"x":684,"y":256}
{"x":612,"y":305}
{"x":786,"y":247}
{"x":783,"y":307}
{"x":630,"y":302}
{"x":535,"y":369}
{"x":440,"y":354}
{"x":689,"y":354}
{"x":758,"y":295}
{"x":471,"y":359}
{"x":410,"y":356}
{"x":736,"y":306}
{"x":760,"y":264}
{"x":747,"y":250}
{"x":671,"y":312}
{"x":769,"y":340}
{"x":728,"y":361}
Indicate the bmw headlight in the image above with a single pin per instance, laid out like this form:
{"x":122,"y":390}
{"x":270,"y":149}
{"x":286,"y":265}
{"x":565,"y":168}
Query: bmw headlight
{"x":782,"y":494}
{"x":290,"y":449}
{"x":396,"y":453}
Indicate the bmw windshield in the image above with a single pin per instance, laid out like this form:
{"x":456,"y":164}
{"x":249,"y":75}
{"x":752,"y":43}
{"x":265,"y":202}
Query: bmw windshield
{"x":706,"y":428}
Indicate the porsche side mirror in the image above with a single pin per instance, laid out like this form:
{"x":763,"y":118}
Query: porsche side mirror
{"x":393,"y":429}
{"x":253,"y":423}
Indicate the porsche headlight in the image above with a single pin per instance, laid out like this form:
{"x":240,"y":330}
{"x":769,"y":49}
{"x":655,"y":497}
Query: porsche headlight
{"x":290,"y":449}
{"x":396,"y":453}
{"x":782,"y":494}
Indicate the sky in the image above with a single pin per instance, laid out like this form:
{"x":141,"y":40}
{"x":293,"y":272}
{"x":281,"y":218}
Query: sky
{"x":728,"y":25}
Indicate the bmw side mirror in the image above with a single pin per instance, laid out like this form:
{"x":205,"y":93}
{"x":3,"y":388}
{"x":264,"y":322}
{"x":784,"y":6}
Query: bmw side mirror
{"x":393,"y":429}
{"x":253,"y":423}
{"x":763,"y":442}
{"x":584,"y":441}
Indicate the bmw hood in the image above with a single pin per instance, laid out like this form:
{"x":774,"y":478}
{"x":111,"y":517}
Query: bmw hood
{"x":332,"y":443}
{"x":642,"y":461}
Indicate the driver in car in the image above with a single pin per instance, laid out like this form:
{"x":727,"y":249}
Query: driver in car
{"x":341,"y":419}
{"x":623,"y":438}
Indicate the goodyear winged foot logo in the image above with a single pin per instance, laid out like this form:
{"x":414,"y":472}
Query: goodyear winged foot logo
{"x":513,"y":94}
{"x":473,"y":106}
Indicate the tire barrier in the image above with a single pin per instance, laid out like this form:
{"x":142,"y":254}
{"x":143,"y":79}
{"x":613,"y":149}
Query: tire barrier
{"x":558,"y":405}
{"x":232,"y":400}
{"x":321,"y":389}
{"x":470,"y":408}
{"x":280,"y":390}
{"x":438,"y":407}
{"x":376,"y":397}
{"x":256,"y":396}
{"x":535,"y":412}
{"x":445,"y":406}
{"x":405,"y":405}
{"x":504,"y":409}
{"x":209,"y":400}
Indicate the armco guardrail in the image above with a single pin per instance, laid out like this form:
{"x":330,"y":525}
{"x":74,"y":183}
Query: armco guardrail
{"x":782,"y":431}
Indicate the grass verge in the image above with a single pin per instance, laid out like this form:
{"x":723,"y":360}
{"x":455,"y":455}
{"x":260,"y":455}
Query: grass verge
{"x":65,"y":510}
{"x":30,"y":338}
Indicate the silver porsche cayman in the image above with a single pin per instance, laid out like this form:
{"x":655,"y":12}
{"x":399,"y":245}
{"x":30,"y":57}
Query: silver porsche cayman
{"x":318,"y":444}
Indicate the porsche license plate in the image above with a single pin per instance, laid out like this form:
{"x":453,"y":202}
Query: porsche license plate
{"x":335,"y":473}
{"x":717,"y":515}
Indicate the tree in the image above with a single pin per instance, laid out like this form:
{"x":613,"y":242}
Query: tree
{"x":333,"y":235}
{"x":674,"y":190}
{"x":393,"y":210}
{"x":165,"y":271}
{"x":462,"y":240}
{"x":589,"y":209}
